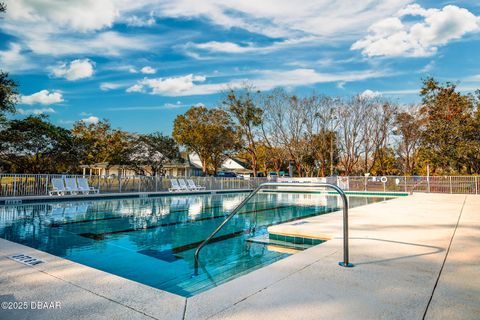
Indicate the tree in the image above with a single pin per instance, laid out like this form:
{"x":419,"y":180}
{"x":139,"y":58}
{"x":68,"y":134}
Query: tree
{"x":241,"y":105}
{"x":152,"y":151}
{"x":450,"y":140}
{"x":8,"y":94}
{"x":378,"y":125}
{"x":351,"y":137}
{"x":102,"y":144}
{"x":34,"y":145}
{"x":384,"y":162}
{"x":208,"y":132}
{"x":284,"y":125}
{"x":327,"y":152}
{"x":8,"y":88}
{"x":408,"y":127}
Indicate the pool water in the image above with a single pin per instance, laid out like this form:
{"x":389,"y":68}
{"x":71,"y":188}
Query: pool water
{"x":152,"y":240}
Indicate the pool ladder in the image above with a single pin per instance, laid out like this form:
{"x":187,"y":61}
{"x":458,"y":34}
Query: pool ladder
{"x":344,"y":263}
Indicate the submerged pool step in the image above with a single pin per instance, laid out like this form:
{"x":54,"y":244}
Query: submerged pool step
{"x":280,"y":246}
{"x":298,"y":233}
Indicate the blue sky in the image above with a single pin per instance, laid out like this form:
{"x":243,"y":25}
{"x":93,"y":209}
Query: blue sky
{"x":141,"y":63}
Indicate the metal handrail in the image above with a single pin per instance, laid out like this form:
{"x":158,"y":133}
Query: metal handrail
{"x":344,"y":263}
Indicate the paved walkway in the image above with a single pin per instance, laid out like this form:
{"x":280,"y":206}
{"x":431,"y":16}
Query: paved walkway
{"x":414,"y":257}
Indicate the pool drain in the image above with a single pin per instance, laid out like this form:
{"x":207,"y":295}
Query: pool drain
{"x":26,"y":259}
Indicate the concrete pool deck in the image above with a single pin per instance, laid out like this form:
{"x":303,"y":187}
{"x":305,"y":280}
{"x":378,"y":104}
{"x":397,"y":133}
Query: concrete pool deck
{"x":415,"y":257}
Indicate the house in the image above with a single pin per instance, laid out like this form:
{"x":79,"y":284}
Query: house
{"x":192,"y":166}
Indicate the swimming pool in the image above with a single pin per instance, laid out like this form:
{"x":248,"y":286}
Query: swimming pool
{"x":152,"y":240}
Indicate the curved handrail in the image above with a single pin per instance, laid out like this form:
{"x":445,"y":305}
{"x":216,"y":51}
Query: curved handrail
{"x":344,"y":263}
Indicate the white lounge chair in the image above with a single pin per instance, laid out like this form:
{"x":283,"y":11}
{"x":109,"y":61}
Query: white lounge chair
{"x":71,"y":185}
{"x":84,"y":187}
{"x":183,"y":185}
{"x":174,"y":186}
{"x":58,"y":187}
{"x":193,"y":186}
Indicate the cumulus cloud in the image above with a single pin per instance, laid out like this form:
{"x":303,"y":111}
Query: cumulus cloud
{"x":75,"y":70}
{"x":263,"y":80}
{"x":43,"y":97}
{"x":91,"y":120}
{"x":174,"y":86}
{"x":370,"y":94}
{"x":393,"y":36}
{"x":148,"y":70}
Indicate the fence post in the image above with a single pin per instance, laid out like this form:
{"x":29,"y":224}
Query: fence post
{"x":14,"y":185}
{"x":46,"y":184}
{"x":450,"y":179}
{"x":476,"y":185}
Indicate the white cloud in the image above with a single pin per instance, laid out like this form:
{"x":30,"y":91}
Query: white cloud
{"x":108,"y":43}
{"x":135,"y":21}
{"x":91,"y":120}
{"x":86,"y":15}
{"x":160,"y":107}
{"x":43,"y":97}
{"x":286,"y":18}
{"x":226,"y":47}
{"x":12,"y":58}
{"x":106,"y":86}
{"x":394,"y":37}
{"x":174,"y":86}
{"x":148,"y":70}
{"x":75,"y":70}
{"x":35,"y":111}
{"x":428,"y":67}
{"x":263,"y":80}
{"x":369,"y":94}
{"x":135,"y":88}
{"x":52,"y":27}
{"x":234,"y":48}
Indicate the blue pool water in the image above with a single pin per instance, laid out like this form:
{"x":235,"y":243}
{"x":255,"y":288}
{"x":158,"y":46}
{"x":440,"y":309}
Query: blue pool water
{"x":152,"y":240}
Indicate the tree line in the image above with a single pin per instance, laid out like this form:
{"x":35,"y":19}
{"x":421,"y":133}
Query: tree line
{"x":316,"y":135}
{"x":321,"y":135}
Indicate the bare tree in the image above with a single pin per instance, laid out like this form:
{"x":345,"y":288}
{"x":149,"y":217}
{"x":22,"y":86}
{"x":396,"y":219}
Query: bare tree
{"x":242,"y":104}
{"x":284,"y":122}
{"x":351,"y":116}
{"x":377,"y":127}
{"x":327,"y":123}
{"x":408,"y":127}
